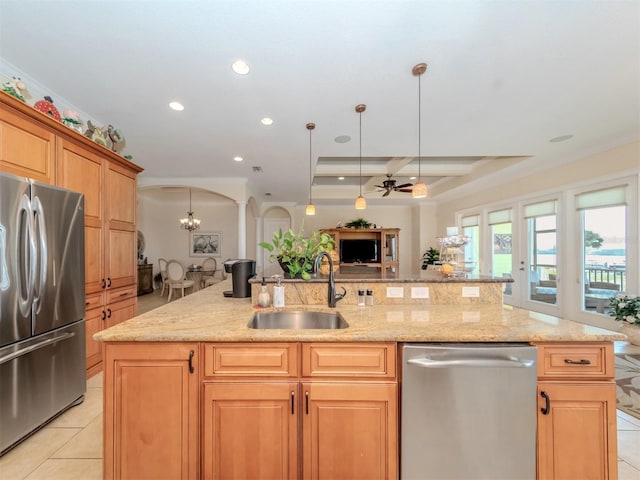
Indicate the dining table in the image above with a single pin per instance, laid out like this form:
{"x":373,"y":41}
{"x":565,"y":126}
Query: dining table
{"x":196,"y":273}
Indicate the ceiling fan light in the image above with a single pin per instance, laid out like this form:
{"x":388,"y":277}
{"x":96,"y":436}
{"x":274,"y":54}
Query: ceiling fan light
{"x":361,"y":203}
{"x":419,"y":190}
{"x":310,"y":210}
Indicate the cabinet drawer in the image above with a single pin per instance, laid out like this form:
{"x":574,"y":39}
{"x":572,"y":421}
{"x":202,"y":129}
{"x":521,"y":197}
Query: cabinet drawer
{"x":93,"y":301}
{"x":587,"y":360}
{"x":119,"y":294}
{"x":376,"y":360}
{"x":251,"y":360}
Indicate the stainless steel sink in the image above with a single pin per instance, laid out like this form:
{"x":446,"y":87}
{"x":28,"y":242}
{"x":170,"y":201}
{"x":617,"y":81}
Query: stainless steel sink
{"x":294,"y":320}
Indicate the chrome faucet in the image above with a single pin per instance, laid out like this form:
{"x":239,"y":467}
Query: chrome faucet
{"x":333,"y":296}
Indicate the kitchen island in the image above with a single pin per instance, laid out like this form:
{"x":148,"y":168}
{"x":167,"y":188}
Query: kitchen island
{"x":192,"y":392}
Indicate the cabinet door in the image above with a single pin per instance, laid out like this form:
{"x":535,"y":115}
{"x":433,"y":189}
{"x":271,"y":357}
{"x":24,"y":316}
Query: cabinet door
{"x":349,"y":431}
{"x":94,"y":320}
{"x":26,"y":148}
{"x":118,"y":312}
{"x":121,"y":241}
{"x":577,"y":438}
{"x":152,"y":406}
{"x":250,"y":430}
{"x":83,"y":171}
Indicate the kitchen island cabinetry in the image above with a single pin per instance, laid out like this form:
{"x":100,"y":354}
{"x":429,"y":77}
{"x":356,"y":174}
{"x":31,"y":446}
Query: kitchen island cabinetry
{"x":576,"y":412}
{"x":151,"y":411}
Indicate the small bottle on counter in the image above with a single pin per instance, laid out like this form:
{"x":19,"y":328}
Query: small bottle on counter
{"x":278,"y":294}
{"x":361,"y":297}
{"x":369,"y":300}
{"x":264,"y":299}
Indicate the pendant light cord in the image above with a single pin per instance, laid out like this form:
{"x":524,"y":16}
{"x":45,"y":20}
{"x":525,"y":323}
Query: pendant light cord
{"x":419,"y":126}
{"x":360,"y":116}
{"x":310,"y":176}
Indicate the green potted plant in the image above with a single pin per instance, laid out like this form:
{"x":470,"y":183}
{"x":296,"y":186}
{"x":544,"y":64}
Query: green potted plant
{"x":430,"y":257}
{"x":626,"y":309}
{"x":295,"y":252}
{"x":358,"y":223}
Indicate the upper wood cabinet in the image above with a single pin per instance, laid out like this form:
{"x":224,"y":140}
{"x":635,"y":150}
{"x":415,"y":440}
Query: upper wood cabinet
{"x":26,"y":148}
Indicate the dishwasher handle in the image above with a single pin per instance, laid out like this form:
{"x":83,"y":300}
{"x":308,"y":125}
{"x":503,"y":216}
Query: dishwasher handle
{"x":498,"y":362}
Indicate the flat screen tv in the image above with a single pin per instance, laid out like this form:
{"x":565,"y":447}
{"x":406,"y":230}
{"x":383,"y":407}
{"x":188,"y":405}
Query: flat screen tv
{"x":359,"y":251}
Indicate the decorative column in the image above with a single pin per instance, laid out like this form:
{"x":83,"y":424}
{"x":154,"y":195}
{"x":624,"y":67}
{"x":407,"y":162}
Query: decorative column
{"x":259,"y":238}
{"x":242,"y":229}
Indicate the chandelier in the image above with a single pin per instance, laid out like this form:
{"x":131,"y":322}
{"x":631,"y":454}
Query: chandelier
{"x":190,"y":223}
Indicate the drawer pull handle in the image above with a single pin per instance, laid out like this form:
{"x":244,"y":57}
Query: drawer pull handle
{"x":579,"y":362}
{"x":293,"y":397}
{"x":104,"y":283}
{"x":104,"y":314}
{"x":306,"y":400}
{"x":108,"y":281}
{"x":86,"y":303}
{"x":191,"y":354}
{"x":109,"y":314}
{"x":124,"y":294}
{"x":547,"y":404}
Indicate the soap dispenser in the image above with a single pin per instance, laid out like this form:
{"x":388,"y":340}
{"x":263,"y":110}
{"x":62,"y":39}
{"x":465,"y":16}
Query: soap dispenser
{"x":278,"y":294}
{"x":264,"y":299}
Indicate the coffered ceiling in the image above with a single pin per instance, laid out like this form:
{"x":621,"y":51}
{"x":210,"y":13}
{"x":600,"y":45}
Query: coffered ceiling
{"x":504,"y":79}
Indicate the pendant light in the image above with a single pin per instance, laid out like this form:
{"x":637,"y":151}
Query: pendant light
{"x":361,"y":203}
{"x":190,"y":223}
{"x":419,"y":188}
{"x":311,"y":209}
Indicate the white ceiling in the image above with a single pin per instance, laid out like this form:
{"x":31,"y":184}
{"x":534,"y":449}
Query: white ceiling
{"x":504,"y":78}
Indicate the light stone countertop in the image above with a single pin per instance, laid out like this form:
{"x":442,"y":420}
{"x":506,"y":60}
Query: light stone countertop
{"x":206,"y":316}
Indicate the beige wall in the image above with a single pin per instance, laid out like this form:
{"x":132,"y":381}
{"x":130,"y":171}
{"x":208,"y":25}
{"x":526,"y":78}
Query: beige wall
{"x":593,"y":168}
{"x":158,"y":220}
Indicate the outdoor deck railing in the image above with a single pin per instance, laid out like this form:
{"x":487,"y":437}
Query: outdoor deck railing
{"x":609,"y":275}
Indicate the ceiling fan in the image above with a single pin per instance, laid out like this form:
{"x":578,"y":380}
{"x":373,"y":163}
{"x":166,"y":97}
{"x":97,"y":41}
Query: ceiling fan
{"x":389,"y":185}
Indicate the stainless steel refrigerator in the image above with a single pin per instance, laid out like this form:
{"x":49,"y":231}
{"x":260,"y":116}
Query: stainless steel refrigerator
{"x":42,"y":329}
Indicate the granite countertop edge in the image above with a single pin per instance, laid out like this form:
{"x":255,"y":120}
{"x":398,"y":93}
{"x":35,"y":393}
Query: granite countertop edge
{"x":206,"y":316}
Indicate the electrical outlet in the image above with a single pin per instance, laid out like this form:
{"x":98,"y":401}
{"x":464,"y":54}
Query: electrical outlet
{"x":471,"y":292}
{"x":419,"y":292}
{"x":395,"y":292}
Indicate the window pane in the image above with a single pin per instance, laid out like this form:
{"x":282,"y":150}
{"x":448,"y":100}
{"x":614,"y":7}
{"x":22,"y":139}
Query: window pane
{"x":604,"y":256}
{"x":501,"y":254}
{"x":472,"y":249}
{"x":543,"y":259}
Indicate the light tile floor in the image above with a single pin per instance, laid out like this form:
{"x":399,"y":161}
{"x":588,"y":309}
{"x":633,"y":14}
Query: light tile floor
{"x":70,"y":447}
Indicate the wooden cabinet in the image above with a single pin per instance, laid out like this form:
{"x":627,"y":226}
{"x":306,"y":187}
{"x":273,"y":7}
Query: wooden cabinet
{"x":27,"y":148}
{"x":151,"y":411}
{"x":36,"y":146}
{"x":387,"y":244}
{"x":576,"y":411}
{"x":145,"y":278}
{"x":340,"y":399}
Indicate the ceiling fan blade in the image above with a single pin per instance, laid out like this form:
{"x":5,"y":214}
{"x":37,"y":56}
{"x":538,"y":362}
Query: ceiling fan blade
{"x":405,"y":190}
{"x":386,"y":193}
{"x":405,"y":185}
{"x":379,"y":186}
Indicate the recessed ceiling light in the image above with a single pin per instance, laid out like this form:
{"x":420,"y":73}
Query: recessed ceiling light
{"x":412,"y":178}
{"x":266,"y":121}
{"x":177,"y":106}
{"x":240,"y":67}
{"x":561,"y":138}
{"x":238,"y":159}
{"x":340,"y":178}
{"x":342,"y":139}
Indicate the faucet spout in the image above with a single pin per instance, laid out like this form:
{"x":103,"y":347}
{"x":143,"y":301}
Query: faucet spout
{"x":333,"y":297}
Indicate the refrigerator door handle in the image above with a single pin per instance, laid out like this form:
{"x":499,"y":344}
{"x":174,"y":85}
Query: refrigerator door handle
{"x":37,"y":346}
{"x":26,"y":255}
{"x":40,"y":259}
{"x":499,"y":362}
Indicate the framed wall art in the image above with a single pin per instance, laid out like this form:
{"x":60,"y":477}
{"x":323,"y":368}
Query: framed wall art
{"x":205,"y":244}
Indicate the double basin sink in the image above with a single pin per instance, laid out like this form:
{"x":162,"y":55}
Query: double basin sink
{"x":296,"y":320}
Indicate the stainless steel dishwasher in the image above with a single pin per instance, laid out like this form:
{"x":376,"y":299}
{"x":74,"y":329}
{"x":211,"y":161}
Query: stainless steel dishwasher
{"x":468,"y":411}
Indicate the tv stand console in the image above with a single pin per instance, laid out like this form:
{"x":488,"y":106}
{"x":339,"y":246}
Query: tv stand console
{"x":388,"y":238}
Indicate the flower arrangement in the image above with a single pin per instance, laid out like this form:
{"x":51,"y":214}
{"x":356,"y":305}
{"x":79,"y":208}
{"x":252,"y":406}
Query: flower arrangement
{"x":625,"y":308}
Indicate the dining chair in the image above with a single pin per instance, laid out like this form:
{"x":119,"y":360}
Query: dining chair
{"x":209,"y":267}
{"x":162,"y":264}
{"x":176,"y":277}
